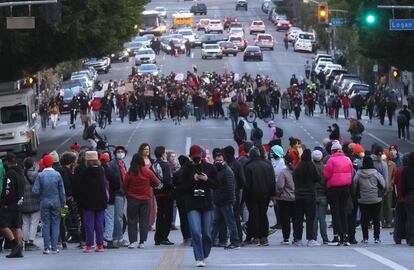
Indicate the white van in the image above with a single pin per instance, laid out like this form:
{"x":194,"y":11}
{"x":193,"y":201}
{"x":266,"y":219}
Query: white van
{"x":18,"y":128}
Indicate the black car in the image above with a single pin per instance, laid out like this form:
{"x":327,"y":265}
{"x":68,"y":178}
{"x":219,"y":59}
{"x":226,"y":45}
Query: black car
{"x":208,"y":39}
{"x":100,"y":65}
{"x":199,"y":8}
{"x":242,"y":4}
{"x":121,"y":56}
{"x":228,"y":20}
{"x":253,"y":52}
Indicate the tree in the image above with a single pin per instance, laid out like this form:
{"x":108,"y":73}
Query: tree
{"x":90,"y":28}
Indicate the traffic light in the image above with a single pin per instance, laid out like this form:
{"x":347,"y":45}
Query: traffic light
{"x":396,"y":73}
{"x":323,"y":14}
{"x":370,"y":18}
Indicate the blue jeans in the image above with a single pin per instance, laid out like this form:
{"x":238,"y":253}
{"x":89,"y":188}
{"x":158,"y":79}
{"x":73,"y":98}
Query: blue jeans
{"x":197,"y":112}
{"x":225,"y":213}
{"x":50,"y":215}
{"x":119,"y":206}
{"x":234,"y":120}
{"x":200,"y":223}
{"x":225,"y":108}
{"x":109,"y":222}
{"x":321,"y":209}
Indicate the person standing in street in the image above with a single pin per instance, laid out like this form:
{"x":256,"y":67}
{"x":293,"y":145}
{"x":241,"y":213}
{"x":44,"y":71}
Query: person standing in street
{"x":356,"y":128}
{"x":164,"y":198}
{"x":11,"y":200}
{"x":199,"y":178}
{"x":49,"y":185}
{"x":234,"y":110}
{"x":407,"y":190}
{"x":224,"y":198}
{"x":259,"y":188}
{"x":54,"y":113}
{"x":256,"y":134}
{"x":118,"y":170}
{"x":338,"y":173}
{"x":31,"y":206}
{"x":239,"y":133}
{"x":307,"y":69}
{"x":403,"y":120}
{"x":94,"y":197}
{"x":138,"y":183}
{"x":369,"y":185}
{"x":187,"y":47}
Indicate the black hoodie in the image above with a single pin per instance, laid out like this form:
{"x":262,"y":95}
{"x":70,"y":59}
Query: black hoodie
{"x":407,"y":178}
{"x":13,"y":187}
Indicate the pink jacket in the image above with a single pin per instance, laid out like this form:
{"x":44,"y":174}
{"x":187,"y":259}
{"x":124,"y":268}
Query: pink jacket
{"x":338,"y":171}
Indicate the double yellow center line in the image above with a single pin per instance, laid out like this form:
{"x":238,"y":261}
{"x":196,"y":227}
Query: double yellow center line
{"x":169,"y":258}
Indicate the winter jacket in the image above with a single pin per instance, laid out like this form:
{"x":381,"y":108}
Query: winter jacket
{"x":163,"y":171}
{"x":407,"y":181}
{"x":256,"y":136}
{"x":93,"y":193}
{"x":224,"y":193}
{"x":49,"y":186}
{"x":31,"y":201}
{"x":138,"y":186}
{"x":116,"y":172}
{"x":285,"y":187}
{"x":67,"y":176}
{"x":338,"y":171}
{"x":305,"y":177}
{"x":260,"y":178}
{"x":13,"y":187}
{"x":190,"y":186}
{"x":368,"y":183}
{"x":320,"y":185}
{"x":239,"y":177}
{"x":113,"y":184}
{"x":381,"y":167}
{"x":278,"y":166}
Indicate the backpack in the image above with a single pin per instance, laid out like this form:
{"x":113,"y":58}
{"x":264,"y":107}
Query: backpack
{"x":156,"y":168}
{"x":258,"y":133}
{"x":279,"y":132}
{"x":361,"y":127}
{"x":401,"y":119}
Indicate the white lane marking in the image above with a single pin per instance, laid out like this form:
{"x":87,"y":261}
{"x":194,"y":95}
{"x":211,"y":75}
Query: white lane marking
{"x":68,"y":139}
{"x":376,"y":138}
{"x":133,"y":134}
{"x":380,"y":259}
{"x":187,"y":145}
{"x":192,"y":55}
{"x":284,"y":264}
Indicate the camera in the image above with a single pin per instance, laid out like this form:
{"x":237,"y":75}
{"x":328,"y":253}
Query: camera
{"x":199,"y":193}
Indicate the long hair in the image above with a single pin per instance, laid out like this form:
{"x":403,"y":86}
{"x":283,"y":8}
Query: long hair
{"x":141,"y":149}
{"x":137,"y":163}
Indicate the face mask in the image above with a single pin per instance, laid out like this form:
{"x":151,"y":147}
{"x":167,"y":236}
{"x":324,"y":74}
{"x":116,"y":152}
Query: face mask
{"x":120,"y":155}
{"x":393,"y":153}
{"x":219,"y":164}
{"x":383,"y":157}
{"x":196,"y":160}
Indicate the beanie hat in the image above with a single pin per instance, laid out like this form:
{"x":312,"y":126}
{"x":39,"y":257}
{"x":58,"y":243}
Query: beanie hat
{"x":75,"y":147}
{"x":105,"y":157}
{"x":55,"y":156}
{"x":326,"y":141}
{"x":91,"y":155}
{"x":336,"y":145}
{"x":278,"y":151}
{"x":195,"y":151}
{"x":358,"y":149}
{"x":182,"y":160}
{"x":317,"y":155}
{"x":48,"y":161}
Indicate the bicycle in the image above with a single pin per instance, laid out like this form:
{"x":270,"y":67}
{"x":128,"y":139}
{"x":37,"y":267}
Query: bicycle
{"x":264,"y":114}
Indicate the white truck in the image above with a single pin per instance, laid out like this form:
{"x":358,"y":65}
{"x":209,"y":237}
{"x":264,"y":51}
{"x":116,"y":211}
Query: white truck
{"x":18,"y":128}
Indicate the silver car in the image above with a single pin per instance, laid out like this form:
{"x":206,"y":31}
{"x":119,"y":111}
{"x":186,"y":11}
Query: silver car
{"x":145,"y":56}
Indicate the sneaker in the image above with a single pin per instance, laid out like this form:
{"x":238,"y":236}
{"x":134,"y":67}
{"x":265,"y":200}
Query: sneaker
{"x":272,"y":231}
{"x":34,"y":247}
{"x":87,"y":249}
{"x":325,"y":242}
{"x":64,"y":245}
{"x":264,"y":242}
{"x":232,"y":246}
{"x":247,"y":243}
{"x":353,"y":241}
{"x":124,"y":243}
{"x":345,"y":241}
{"x":285,"y":242}
{"x":16,"y":252}
{"x":377,"y":241}
{"x":141,"y":245}
{"x":100,"y":248}
{"x":256,"y":242}
{"x":297,"y":243}
{"x":313,"y":243}
{"x":365,"y":241}
{"x":57,"y":251}
{"x":132,"y":245}
{"x":200,"y":264}
{"x":110,"y":245}
{"x":334,"y":242}
{"x":186,"y":242}
{"x":46,"y":251}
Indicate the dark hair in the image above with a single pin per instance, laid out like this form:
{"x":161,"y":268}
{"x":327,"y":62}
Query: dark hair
{"x":306,"y":155}
{"x":67,"y":158}
{"x":293,"y":141}
{"x":217,"y":152}
{"x":141,"y":149}
{"x":367,"y":163}
{"x":28,"y":163}
{"x":378,"y":150}
{"x":159,"y":151}
{"x":183,"y":160}
{"x":137,"y":163}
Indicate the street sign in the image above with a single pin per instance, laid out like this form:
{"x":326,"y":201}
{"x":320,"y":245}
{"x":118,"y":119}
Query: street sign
{"x":401,"y":24}
{"x":20,"y":22}
{"x":375,"y":68}
{"x":337,"y":21}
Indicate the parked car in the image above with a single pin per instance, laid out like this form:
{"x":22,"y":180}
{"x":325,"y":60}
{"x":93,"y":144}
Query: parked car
{"x":257,"y":27}
{"x":253,"y":52}
{"x":241,"y":4}
{"x":214,"y":26}
{"x":162,"y":11}
{"x":337,"y":83}
{"x":283,"y":25}
{"x":99,"y":64}
{"x":202,"y":23}
{"x":331,"y":76}
{"x":145,"y":56}
{"x":211,"y":50}
{"x":228,"y":47}
{"x":292,"y":33}
{"x":199,"y":8}
{"x":264,"y":41}
{"x":357,"y":87}
{"x":239,"y":42}
{"x":346,"y":84}
{"x":148,"y":69}
{"x":303,"y":45}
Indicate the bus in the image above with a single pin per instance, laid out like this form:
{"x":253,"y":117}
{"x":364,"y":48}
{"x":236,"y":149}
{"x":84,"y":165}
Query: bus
{"x":152,"y":23}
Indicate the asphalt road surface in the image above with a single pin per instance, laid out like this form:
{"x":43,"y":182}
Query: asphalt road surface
{"x":279,"y":65}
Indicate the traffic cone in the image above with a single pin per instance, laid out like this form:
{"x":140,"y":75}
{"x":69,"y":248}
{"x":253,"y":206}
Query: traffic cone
{"x":177,"y":53}
{"x":208,"y":155}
